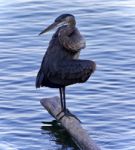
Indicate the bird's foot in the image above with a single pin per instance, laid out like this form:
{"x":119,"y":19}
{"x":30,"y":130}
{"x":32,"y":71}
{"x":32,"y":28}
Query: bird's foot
{"x":67,"y":113}
{"x":62,"y":111}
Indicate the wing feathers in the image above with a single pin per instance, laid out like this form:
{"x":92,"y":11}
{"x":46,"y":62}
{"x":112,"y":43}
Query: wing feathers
{"x":73,"y":71}
{"x":67,"y":73}
{"x":39,"y":79}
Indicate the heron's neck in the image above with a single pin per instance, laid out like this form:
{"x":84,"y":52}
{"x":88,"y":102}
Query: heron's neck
{"x":73,"y":23}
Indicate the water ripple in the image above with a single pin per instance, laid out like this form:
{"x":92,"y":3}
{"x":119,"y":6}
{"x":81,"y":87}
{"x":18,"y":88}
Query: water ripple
{"x":105,"y":103}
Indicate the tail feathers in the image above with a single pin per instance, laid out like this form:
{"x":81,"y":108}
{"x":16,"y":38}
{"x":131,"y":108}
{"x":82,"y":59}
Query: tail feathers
{"x":39,"y":79}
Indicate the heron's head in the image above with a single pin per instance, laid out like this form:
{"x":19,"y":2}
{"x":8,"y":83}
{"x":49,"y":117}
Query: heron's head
{"x":65,"y":19}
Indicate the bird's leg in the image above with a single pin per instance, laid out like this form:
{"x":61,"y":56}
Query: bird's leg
{"x":64,"y":99}
{"x":61,"y":101}
{"x":65,"y":110}
{"x":61,"y":98}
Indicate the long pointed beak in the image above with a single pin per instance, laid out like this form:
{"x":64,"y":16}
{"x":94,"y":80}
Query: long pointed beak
{"x":50,"y":27}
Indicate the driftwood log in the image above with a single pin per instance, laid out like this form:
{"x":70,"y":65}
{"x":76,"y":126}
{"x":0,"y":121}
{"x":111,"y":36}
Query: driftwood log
{"x":72,"y":125}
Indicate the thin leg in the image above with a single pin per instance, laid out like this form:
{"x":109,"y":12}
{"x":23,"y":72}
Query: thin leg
{"x":61,"y":98}
{"x":64,"y":99}
{"x":65,"y":110}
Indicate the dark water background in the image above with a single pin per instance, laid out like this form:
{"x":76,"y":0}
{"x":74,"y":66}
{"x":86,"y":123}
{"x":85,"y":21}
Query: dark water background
{"x":105,"y":104}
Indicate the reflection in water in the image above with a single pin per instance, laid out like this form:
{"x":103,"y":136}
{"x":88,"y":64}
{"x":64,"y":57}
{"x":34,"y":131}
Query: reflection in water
{"x":58,"y":134}
{"x":105,"y":104}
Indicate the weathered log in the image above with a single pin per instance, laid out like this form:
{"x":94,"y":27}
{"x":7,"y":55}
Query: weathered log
{"x":72,"y":125}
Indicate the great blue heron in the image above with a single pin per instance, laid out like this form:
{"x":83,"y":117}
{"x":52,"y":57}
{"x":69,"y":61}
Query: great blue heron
{"x":60,"y":66}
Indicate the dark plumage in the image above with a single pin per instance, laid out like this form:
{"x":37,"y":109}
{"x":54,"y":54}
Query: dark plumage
{"x":60,"y":66}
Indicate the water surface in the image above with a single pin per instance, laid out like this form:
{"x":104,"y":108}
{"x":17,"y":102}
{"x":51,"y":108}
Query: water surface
{"x":105,"y":103}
